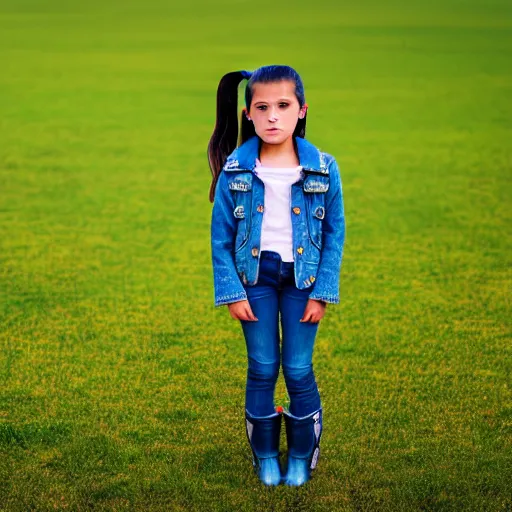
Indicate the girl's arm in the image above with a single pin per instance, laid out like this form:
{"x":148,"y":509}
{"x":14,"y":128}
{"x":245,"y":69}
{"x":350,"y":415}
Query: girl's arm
{"x":227,"y":284}
{"x":333,"y":239}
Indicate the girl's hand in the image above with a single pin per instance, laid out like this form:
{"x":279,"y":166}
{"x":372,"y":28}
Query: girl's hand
{"x":314,"y":312}
{"x":241,"y":310}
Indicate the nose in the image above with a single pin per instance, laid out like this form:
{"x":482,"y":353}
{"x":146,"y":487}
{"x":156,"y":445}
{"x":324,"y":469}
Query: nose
{"x":273,"y":116}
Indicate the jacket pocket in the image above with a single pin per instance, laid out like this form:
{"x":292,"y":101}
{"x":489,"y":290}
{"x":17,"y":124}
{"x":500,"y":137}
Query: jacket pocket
{"x":315,"y":188}
{"x":241,"y":187}
{"x":315,"y":225}
{"x":308,"y":275}
{"x":242,"y":233}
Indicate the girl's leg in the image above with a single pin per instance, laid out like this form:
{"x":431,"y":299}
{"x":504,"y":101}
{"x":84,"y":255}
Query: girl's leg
{"x":263,"y":422}
{"x":304,"y":419}
{"x":262,"y":338}
{"x":298,"y":344}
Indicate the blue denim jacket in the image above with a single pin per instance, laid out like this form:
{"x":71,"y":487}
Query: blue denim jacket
{"x":318,"y":224}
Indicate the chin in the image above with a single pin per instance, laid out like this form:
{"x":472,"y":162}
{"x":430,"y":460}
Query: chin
{"x":274,"y":140}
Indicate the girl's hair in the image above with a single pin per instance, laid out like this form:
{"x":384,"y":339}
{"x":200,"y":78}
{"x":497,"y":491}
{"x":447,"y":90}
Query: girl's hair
{"x":224,"y":138}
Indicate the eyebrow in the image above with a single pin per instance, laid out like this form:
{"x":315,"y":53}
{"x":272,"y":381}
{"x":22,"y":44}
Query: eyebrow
{"x":279,"y":100}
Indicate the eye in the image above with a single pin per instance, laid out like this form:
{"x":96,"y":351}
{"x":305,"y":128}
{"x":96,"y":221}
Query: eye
{"x":283,"y":105}
{"x":261,"y":107}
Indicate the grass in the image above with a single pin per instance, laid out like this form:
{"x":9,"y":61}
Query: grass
{"x":122,"y":387}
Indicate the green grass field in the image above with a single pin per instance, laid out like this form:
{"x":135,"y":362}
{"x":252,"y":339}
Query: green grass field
{"x":122,"y":387}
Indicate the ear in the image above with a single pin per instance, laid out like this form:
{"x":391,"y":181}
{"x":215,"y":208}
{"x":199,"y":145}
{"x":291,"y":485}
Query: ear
{"x":302,"y":111}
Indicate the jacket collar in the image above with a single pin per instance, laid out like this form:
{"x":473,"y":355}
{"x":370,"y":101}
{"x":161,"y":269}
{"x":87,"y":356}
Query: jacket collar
{"x":244,"y":156}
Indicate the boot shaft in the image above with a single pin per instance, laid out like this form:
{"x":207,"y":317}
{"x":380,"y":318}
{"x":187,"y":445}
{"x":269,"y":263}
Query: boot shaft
{"x":303,"y":436}
{"x":263,"y":433}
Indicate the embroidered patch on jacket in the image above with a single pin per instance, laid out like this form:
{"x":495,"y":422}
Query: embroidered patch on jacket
{"x":239,"y":212}
{"x":231,"y":164}
{"x":320,"y":212}
{"x":243,"y":186}
{"x":315,"y":186}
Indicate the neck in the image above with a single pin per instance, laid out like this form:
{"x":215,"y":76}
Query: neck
{"x":279,"y":155}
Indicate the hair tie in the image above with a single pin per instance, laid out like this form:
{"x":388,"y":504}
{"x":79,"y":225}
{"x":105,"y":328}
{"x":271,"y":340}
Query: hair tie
{"x":246,"y":74}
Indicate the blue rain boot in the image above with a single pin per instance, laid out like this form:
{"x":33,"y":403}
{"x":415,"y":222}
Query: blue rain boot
{"x":303,"y":436}
{"x":263,"y":435}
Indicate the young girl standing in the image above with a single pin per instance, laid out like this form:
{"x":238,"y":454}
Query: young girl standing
{"x":277,"y":237}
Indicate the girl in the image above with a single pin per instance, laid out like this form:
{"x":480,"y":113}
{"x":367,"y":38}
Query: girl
{"x":277,"y":236}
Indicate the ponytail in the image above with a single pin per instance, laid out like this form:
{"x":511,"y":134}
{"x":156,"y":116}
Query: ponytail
{"x":224,"y":138}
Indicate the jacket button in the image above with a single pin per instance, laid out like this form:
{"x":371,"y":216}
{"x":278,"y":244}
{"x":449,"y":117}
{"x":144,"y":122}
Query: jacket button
{"x":312,"y":278}
{"x":254,"y":251}
{"x":260,"y":208}
{"x":296,"y":210}
{"x":300,"y":250}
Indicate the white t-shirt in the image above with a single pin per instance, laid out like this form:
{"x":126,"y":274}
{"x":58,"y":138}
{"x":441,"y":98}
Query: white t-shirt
{"x":276,"y":229}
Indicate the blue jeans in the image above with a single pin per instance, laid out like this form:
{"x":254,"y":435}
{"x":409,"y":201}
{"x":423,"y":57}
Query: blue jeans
{"x":274,"y":293}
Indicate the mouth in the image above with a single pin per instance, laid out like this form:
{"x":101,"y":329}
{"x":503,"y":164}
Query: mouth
{"x":272,"y":130}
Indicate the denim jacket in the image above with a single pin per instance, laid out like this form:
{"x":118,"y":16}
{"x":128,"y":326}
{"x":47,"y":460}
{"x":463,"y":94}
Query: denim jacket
{"x":318,"y":224}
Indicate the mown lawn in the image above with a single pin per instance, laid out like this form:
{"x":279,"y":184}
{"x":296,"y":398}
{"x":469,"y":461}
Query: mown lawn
{"x":122,"y":387}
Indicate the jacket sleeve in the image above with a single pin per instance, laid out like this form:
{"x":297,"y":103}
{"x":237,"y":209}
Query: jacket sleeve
{"x":227,"y":284}
{"x":333,"y":239}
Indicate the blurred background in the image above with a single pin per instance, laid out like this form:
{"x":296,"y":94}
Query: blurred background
{"x":122,"y":387}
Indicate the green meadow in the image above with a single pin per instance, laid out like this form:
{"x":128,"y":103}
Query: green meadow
{"x":121,"y":386}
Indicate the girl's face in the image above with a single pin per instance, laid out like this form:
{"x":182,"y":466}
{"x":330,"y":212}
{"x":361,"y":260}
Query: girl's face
{"x":275,"y":110}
